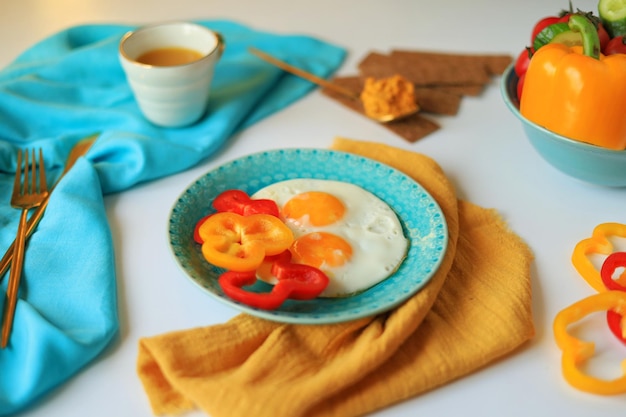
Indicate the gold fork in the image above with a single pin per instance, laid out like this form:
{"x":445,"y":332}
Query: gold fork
{"x":27,"y":194}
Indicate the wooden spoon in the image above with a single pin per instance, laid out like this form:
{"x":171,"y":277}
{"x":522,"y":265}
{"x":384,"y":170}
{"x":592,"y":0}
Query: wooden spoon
{"x":326,"y":84}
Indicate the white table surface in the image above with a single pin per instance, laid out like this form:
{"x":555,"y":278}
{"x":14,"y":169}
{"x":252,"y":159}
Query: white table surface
{"x":482,"y":149}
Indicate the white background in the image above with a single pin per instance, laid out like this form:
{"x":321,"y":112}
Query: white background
{"x":482,"y":149}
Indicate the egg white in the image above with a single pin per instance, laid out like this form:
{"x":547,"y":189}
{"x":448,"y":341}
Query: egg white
{"x":369,"y":225}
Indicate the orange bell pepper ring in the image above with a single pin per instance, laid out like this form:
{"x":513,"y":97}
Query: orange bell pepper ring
{"x":576,"y":351}
{"x":240,"y":243}
{"x":578,"y":92}
{"x":600,"y":244}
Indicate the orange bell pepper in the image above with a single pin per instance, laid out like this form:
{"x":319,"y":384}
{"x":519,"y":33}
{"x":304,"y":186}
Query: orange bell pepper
{"x":240,"y":243}
{"x":578,"y":92}
{"x":237,"y":201}
{"x":576,"y":351}
{"x":600,"y":244}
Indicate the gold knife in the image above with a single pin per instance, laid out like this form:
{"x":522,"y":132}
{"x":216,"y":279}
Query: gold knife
{"x":77,"y":151}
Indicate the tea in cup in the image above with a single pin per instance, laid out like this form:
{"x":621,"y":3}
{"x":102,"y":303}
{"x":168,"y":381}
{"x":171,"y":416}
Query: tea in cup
{"x":170,"y":67}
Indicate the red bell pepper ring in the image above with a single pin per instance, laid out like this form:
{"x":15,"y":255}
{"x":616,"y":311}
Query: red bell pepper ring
{"x":305,"y":282}
{"x":232,"y":284}
{"x":610,"y":265}
{"x":237,"y":201}
{"x":232,"y":201}
{"x":196,"y":231}
{"x":295,"y":281}
{"x":613,"y":318}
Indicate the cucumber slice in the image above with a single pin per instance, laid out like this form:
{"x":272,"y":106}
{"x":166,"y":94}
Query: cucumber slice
{"x":557,"y":33}
{"x":613,"y":16}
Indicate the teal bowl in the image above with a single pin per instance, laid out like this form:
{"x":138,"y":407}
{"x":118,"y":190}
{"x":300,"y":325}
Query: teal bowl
{"x":589,"y":163}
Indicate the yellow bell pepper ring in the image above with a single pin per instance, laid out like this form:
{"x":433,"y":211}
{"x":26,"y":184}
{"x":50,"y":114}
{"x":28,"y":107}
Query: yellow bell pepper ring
{"x":578,"y":92}
{"x":575,"y":351}
{"x":240,"y":243}
{"x":598,"y":244}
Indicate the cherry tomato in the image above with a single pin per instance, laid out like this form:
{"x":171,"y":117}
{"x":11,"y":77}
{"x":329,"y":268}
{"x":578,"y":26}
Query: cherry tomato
{"x":615,"y":46}
{"x":523,"y":59}
{"x":520,"y":86}
{"x":604,"y":37}
{"x":521,"y":65}
{"x":540,"y":25}
{"x":564,"y":18}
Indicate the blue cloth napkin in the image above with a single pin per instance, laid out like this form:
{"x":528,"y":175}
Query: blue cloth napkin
{"x":70,"y":86}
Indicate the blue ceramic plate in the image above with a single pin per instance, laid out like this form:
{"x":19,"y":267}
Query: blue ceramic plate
{"x":423,"y":222}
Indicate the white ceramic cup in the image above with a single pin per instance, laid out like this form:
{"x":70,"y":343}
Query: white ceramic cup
{"x":175,"y":95}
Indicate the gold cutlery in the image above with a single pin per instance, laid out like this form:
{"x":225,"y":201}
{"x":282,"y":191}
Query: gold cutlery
{"x":77,"y":151}
{"x":27,"y":194}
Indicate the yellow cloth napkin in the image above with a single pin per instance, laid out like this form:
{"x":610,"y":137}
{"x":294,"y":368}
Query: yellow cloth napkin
{"x":475,"y":309}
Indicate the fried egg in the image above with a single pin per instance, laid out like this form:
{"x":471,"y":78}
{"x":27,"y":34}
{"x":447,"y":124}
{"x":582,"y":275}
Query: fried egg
{"x":353,"y":236}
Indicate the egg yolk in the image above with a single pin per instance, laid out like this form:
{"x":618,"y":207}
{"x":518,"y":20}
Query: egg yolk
{"x":320,"y":249}
{"x":320,"y":208}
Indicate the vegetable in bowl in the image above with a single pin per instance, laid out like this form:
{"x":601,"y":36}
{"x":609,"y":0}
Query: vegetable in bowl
{"x":578,"y":92}
{"x":589,"y":163}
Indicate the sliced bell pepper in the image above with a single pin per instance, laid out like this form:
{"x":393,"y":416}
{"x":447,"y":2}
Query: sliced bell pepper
{"x":598,"y":243}
{"x":231,"y":201}
{"x":237,"y":201}
{"x":576,"y":91}
{"x":302,"y":282}
{"x":615,"y":321}
{"x":575,"y":351}
{"x":295,"y":281}
{"x":196,"y":230}
{"x":617,"y":325}
{"x":240,"y":243}
{"x":232,"y":284}
{"x":609,"y":266}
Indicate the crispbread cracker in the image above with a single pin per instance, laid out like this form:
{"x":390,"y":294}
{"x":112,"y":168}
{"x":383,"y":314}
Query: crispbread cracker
{"x":440,"y":79}
{"x":430,"y":69}
{"x":489,"y":64}
{"x":377,"y":65}
{"x":438,"y":100}
{"x":435,"y":69}
{"x":462,"y":90}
